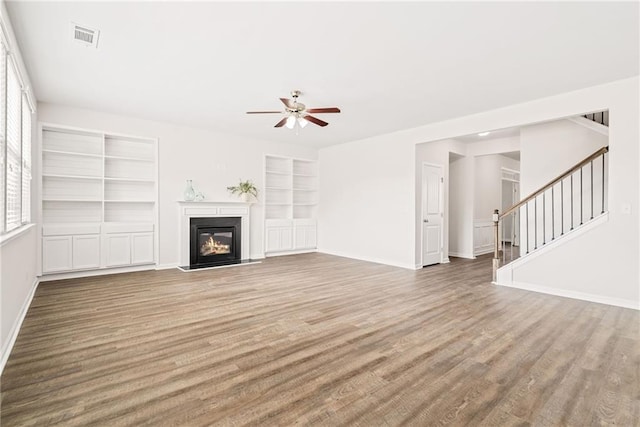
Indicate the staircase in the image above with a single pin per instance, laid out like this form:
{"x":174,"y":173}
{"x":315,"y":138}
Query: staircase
{"x":601,"y":117}
{"x":566,"y":203}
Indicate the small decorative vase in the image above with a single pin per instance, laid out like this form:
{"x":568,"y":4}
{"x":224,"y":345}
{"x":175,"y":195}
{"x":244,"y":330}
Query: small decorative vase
{"x":245,"y":197}
{"x":189,"y":192}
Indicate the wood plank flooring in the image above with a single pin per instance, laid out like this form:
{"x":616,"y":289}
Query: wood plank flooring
{"x":315,"y":339}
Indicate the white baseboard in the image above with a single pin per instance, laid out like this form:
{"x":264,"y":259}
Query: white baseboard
{"x":284,"y":253}
{"x":482,"y":251}
{"x":461,"y":255}
{"x":100,"y":272}
{"x":13,"y":334}
{"x":167,"y":266}
{"x":602,"y":299}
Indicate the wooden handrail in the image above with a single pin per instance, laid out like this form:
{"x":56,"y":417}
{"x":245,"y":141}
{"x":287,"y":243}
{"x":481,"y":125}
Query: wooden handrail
{"x":535,"y":194}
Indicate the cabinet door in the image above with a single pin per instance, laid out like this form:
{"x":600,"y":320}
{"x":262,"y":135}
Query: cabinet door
{"x":118,"y":249}
{"x":279,"y":239}
{"x":86,"y":251}
{"x":56,"y":254}
{"x":305,"y":236}
{"x":142,"y":248}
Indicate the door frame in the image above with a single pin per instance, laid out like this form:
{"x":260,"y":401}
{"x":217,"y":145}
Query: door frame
{"x":442,"y":209}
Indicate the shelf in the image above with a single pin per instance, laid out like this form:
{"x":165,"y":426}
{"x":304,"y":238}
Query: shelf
{"x":51,"y":175}
{"x":310,"y":175}
{"x":129,"y":201}
{"x":71,"y":153}
{"x":129,"y":179}
{"x":135,"y":159}
{"x":53,"y":199}
{"x":304,"y":204}
{"x":304,"y":189}
{"x":278,"y":172}
{"x":277,"y":204}
{"x":278,"y":188}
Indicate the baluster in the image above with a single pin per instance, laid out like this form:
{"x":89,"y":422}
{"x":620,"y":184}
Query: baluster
{"x":571,"y":202}
{"x":581,"y":201}
{"x":553,"y":218}
{"x":562,"y":207}
{"x":591,"y":189}
{"x":544,"y":216}
{"x":602,"y":182}
{"x":526,"y":210}
{"x":535,"y":223}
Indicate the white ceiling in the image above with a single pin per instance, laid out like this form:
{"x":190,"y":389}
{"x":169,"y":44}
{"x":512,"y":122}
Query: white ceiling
{"x":388,"y":66}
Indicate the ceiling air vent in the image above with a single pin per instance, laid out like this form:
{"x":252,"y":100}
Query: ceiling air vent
{"x":84,"y":35}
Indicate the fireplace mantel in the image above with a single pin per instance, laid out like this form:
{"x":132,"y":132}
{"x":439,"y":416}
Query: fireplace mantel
{"x":190,"y":210}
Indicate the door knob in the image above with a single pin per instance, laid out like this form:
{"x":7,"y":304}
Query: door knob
{"x":426,"y":220}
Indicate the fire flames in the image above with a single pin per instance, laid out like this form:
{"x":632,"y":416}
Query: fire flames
{"x":214,"y":247}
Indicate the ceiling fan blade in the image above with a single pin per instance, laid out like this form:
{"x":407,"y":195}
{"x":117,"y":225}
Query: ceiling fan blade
{"x":281,"y":123}
{"x":323,"y":110}
{"x":287,"y":102}
{"x":265,"y":112}
{"x":315,"y":121}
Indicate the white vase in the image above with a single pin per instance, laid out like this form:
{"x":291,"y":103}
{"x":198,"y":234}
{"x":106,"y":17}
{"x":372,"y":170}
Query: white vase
{"x":245,"y":197}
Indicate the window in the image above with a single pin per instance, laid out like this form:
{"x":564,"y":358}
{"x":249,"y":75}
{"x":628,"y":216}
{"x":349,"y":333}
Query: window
{"x":15,"y":146}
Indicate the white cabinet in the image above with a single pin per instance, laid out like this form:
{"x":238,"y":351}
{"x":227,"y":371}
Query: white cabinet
{"x":99,"y":199}
{"x":279,"y":235}
{"x":117,"y":250}
{"x":128,"y":244}
{"x":68,"y":253}
{"x":291,"y":201}
{"x":86,"y":252}
{"x":142,"y":248}
{"x":305,"y":233}
{"x":56,"y":253}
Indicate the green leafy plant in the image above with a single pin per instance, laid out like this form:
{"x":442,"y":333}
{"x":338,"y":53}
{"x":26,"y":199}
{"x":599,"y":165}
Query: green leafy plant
{"x":244,"y":187}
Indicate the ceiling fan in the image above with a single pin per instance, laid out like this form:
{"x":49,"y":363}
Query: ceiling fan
{"x":297,"y":112}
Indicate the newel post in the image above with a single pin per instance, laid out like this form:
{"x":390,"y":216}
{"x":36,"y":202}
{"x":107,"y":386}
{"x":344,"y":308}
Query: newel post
{"x":496,"y":246}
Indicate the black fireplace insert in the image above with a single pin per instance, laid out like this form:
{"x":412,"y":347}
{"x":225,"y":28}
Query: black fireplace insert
{"x":215,"y":241}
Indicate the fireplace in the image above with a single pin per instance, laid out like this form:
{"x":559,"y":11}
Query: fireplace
{"x":215,"y":241}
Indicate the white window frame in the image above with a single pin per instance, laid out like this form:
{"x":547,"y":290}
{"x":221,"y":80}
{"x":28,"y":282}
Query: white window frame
{"x":22,"y":209}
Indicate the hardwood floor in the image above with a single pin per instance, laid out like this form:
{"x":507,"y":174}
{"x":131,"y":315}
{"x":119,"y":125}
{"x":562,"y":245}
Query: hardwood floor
{"x":319,"y":340}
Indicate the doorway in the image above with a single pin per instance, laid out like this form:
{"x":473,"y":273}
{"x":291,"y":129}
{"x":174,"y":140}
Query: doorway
{"x":432,"y":213}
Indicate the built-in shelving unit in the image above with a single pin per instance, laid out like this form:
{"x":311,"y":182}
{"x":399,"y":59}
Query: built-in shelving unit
{"x":100,"y":186}
{"x":291,"y":203}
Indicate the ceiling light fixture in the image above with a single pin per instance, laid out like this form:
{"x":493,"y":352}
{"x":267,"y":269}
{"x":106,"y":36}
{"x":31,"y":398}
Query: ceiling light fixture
{"x":484,"y":133}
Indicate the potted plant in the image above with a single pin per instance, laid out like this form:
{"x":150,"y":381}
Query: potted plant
{"x":244,"y":189}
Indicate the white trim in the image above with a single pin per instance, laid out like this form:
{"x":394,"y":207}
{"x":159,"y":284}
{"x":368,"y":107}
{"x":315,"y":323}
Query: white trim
{"x":601,"y":299}
{"x":100,"y":272}
{"x":15,"y":233}
{"x":590,"y":124}
{"x":13,"y":334}
{"x":441,"y":189}
{"x":461,"y":255}
{"x":167,"y":266}
{"x":291,"y":252}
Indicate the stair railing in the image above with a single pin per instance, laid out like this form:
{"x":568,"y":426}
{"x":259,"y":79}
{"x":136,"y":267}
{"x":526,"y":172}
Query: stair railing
{"x":563,"y":204}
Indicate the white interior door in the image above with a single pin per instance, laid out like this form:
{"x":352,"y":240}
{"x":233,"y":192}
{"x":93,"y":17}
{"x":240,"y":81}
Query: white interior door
{"x":432,"y":209}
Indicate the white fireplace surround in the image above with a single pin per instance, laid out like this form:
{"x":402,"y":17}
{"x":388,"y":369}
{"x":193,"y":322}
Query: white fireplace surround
{"x":190,"y":210}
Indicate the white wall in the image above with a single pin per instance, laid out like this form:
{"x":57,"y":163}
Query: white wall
{"x":367,"y":201}
{"x":460,"y":191}
{"x":212,"y":160}
{"x":487,"y":196}
{"x":488,"y":184}
{"x":549,"y":149}
{"x":389,"y":159}
{"x":17,"y":261}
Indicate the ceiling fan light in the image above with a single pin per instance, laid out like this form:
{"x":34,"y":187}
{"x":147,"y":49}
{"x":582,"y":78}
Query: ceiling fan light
{"x":302,"y":122}
{"x":291,"y":122}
